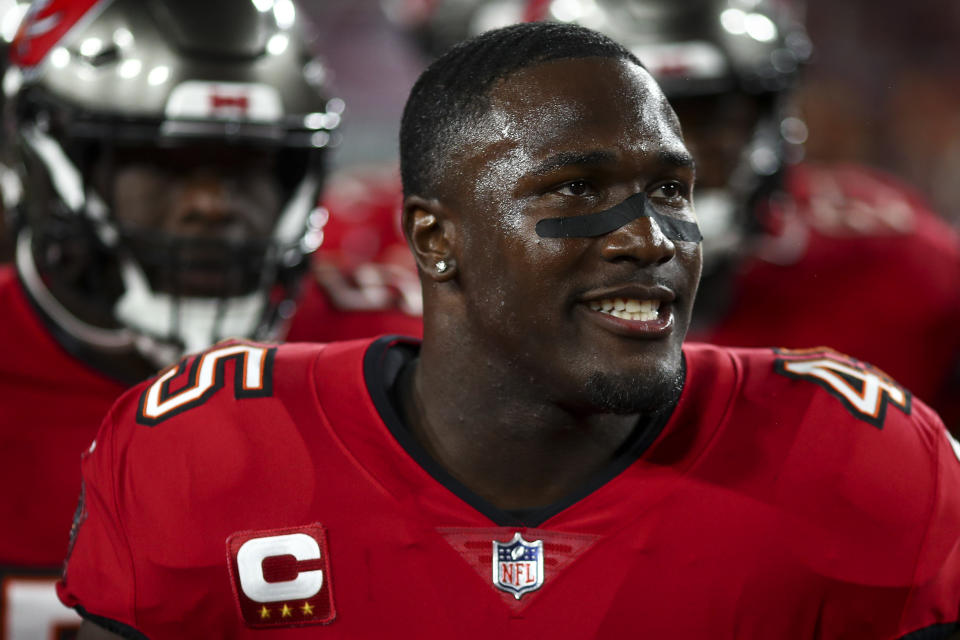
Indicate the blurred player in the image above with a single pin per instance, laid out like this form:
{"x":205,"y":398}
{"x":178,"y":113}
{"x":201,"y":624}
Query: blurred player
{"x":170,"y":155}
{"x":362,"y":278}
{"x":551,"y":461}
{"x":794,"y":254}
{"x":11,"y":12}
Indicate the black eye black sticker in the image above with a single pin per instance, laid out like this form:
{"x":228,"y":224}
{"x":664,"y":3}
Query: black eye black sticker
{"x":601,"y":223}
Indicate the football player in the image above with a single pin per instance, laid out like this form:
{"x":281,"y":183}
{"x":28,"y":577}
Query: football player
{"x":795,"y":253}
{"x":551,"y":461}
{"x":169,"y":156}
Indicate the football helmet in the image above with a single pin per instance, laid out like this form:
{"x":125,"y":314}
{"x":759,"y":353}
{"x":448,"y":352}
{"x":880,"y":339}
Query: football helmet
{"x":98,"y":83}
{"x":725,"y":65}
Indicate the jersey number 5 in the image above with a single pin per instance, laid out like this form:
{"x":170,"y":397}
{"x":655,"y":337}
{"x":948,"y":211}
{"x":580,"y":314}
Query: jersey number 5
{"x":252,"y":378}
{"x":863,"y":391}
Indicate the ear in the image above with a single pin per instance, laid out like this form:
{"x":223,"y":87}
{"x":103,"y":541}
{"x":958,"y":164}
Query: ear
{"x":431,"y":234}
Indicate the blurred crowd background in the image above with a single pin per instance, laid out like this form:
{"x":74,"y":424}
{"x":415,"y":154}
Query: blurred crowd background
{"x":882,"y":88}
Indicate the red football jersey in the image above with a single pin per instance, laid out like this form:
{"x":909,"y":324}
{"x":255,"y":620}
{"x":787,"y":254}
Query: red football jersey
{"x":261,"y":489}
{"x":846,"y":243}
{"x":52,"y":405}
{"x":363,"y":280}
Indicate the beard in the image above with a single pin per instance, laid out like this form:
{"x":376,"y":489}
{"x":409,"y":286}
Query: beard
{"x":629,"y":394}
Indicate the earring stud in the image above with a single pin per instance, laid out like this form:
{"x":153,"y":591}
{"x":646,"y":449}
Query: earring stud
{"x":441,"y":266}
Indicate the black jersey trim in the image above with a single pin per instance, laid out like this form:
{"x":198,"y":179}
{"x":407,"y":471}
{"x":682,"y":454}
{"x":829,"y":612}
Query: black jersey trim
{"x":933,"y":632}
{"x":15,"y":571}
{"x":382,"y":364}
{"x":119,"y":628}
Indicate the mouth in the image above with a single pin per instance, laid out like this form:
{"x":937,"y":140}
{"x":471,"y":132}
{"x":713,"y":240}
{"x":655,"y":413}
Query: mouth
{"x":636,"y":314}
{"x":627,"y":308}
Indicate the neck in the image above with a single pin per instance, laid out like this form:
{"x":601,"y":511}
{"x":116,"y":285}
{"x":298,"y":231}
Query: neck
{"x":499,"y":435}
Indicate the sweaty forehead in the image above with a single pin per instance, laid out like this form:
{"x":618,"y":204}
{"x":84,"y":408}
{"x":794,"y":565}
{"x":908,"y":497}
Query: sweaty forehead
{"x":566,"y":106}
{"x":582,"y":98}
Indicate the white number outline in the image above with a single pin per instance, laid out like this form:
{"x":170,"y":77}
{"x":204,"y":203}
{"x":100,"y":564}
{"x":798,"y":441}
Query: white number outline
{"x":252,"y":378}
{"x":836,"y":374}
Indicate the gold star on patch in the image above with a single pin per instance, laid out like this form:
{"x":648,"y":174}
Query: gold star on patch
{"x":285,"y":611}
{"x":307,"y":609}
{"x":264,"y":613}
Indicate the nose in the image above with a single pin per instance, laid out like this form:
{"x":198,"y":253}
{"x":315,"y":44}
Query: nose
{"x":640,"y":240}
{"x":205,"y":205}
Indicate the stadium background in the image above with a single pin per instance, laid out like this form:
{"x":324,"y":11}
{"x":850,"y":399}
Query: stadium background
{"x":883,"y":87}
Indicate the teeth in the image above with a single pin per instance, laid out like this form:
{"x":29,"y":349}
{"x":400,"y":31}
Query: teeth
{"x":628,"y":308}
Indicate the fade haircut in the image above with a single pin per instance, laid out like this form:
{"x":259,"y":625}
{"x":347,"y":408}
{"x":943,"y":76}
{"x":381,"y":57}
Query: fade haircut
{"x":453,"y":92}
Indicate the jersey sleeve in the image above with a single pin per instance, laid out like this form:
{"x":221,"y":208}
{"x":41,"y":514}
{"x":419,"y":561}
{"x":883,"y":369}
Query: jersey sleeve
{"x":933,"y":606}
{"x":98,"y":579}
{"x":182,"y":462}
{"x":870,"y":484}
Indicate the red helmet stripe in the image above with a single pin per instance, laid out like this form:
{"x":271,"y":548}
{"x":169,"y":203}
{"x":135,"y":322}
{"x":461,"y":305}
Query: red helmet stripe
{"x":536,"y":10}
{"x":43,"y":26}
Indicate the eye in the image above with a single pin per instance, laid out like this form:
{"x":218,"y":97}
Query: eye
{"x":672,"y":191}
{"x":575,"y":188}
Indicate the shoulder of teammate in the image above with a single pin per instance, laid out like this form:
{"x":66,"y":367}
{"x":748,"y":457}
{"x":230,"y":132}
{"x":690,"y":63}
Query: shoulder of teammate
{"x":363,"y":280}
{"x":362,"y":219}
{"x":363,"y":265}
{"x":847,"y":200}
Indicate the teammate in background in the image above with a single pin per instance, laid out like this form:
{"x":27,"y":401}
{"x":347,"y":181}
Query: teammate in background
{"x":11,"y":12}
{"x":363,"y":279}
{"x":551,"y":461}
{"x":170,"y":156}
{"x":795,"y":254}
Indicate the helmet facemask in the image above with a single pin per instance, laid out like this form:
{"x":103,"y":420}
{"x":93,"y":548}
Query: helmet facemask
{"x":102,"y":175}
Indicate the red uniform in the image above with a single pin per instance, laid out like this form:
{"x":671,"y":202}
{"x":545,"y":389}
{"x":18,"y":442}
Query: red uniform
{"x":855,"y":261}
{"x":364,"y":281}
{"x":260,"y":492}
{"x":51,"y":406}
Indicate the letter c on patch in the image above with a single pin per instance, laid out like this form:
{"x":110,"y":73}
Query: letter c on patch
{"x":250,"y":559}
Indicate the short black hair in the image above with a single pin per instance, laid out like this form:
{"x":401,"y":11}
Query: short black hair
{"x":454,"y":89}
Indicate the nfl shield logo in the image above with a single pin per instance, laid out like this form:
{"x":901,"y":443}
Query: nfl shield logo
{"x":518,"y":565}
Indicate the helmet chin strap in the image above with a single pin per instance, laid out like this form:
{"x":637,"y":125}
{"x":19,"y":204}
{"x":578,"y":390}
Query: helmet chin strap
{"x":111,"y":340}
{"x":160,"y":327}
{"x":168,"y":326}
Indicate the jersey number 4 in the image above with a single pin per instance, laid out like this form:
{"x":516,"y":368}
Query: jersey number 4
{"x":252,"y":378}
{"x":864,"y":391}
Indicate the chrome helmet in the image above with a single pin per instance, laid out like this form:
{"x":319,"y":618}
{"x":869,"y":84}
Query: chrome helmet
{"x":95,"y":83}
